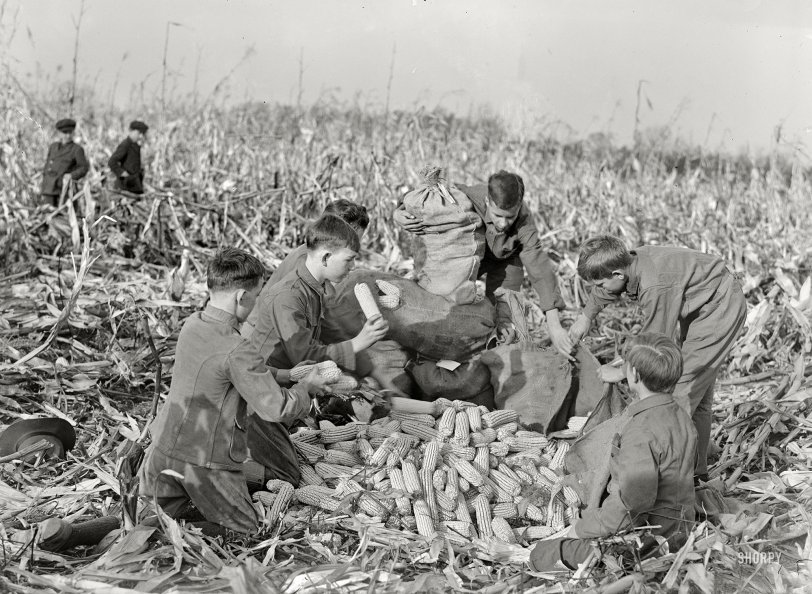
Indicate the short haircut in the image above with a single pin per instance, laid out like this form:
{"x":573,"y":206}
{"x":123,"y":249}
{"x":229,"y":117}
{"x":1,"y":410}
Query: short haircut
{"x":602,"y":255}
{"x":353,"y":213}
{"x":505,"y":189}
{"x":657,"y":359}
{"x":333,"y":233}
{"x":232,"y":268}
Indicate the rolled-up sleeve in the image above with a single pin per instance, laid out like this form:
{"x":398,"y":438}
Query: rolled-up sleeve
{"x":537,"y":264}
{"x":256,"y":384}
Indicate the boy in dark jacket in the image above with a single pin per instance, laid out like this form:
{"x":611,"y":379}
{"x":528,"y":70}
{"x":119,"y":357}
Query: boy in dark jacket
{"x":200,"y":433}
{"x":513,"y":248}
{"x":687,"y":295}
{"x":66,"y":162}
{"x":652,"y":462}
{"x":125,"y":162}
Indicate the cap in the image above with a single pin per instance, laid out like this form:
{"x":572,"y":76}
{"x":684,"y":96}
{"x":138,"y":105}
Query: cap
{"x":140,"y":126}
{"x":27,"y":432}
{"x":66,"y":125}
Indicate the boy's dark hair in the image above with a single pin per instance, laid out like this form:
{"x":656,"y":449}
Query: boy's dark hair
{"x":657,"y":359}
{"x":505,"y":189}
{"x":602,"y":255}
{"x":232,"y":268}
{"x":333,"y":233}
{"x":353,"y":213}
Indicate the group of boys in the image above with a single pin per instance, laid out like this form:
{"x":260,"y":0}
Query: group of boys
{"x":224,"y":427}
{"x":66,"y":162}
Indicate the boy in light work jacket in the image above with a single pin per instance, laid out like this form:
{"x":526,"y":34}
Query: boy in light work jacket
{"x":513,"y":246}
{"x":651,"y":466}
{"x":687,"y":295}
{"x":201,"y":432}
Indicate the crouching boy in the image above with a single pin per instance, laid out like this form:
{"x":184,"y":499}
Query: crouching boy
{"x":685,"y":294}
{"x":200,"y":433}
{"x":652,"y":462}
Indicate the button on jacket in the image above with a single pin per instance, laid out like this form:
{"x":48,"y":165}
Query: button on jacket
{"x":651,"y":473}
{"x":63,"y":158}
{"x":127,"y":157}
{"x":521,"y":240}
{"x":286,"y":324}
{"x":217,"y":374}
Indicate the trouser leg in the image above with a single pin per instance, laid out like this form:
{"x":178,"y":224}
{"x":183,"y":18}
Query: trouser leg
{"x":271,"y":446}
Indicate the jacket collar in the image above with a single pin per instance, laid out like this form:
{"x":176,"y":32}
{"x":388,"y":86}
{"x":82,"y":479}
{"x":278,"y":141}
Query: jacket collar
{"x":639,"y":406}
{"x":308,"y":278}
{"x":221,"y":316}
{"x":633,"y":284}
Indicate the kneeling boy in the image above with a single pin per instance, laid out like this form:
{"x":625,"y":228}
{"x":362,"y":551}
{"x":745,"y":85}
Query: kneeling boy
{"x":652,"y":463}
{"x":200,"y":433}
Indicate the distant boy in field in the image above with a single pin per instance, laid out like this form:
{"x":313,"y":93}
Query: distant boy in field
{"x":125,"y":162}
{"x":201,"y":432}
{"x":66,"y":162}
{"x":513,"y":247}
{"x":685,"y":294}
{"x":652,"y":464}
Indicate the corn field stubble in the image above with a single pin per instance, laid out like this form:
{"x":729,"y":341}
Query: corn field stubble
{"x":252,"y":177}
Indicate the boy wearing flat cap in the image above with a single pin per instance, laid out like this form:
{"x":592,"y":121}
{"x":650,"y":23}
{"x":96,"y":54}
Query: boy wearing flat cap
{"x":125,"y":162}
{"x":66,"y":161}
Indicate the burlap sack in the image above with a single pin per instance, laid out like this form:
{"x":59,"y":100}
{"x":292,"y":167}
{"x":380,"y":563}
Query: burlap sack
{"x":425,"y":323}
{"x":447,"y":255}
{"x":385,"y":362}
{"x":471,"y":381}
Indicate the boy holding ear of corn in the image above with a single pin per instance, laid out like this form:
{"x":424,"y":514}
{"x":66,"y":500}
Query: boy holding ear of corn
{"x":200,"y":433}
{"x":651,"y":466}
{"x":289,"y":315}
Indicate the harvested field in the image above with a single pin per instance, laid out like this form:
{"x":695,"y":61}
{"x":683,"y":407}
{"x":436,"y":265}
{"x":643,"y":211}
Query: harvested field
{"x":92,"y":298}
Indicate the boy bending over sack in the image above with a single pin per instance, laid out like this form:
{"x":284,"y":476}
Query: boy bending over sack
{"x":652,"y":464}
{"x":200,"y":433}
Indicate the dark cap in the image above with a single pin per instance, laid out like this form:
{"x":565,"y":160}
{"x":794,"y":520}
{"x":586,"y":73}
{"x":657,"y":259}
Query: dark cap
{"x":140,"y":126}
{"x":29,"y":431}
{"x":66,"y":125}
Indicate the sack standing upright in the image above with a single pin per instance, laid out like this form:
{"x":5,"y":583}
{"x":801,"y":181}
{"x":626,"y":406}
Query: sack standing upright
{"x":447,"y":255}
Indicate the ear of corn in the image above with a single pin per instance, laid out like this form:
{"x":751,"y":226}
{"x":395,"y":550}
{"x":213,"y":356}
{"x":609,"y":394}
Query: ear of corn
{"x":445,"y":428}
{"x":309,"y":476}
{"x":466,"y":471}
{"x":474,"y":418}
{"x":502,"y":530}
{"x":419,"y":430}
{"x":341,"y":457}
{"x":317,"y":496}
{"x":414,"y":417}
{"x":367,"y":301}
{"x":281,"y":502}
{"x":343,"y":433}
{"x":311,"y":453}
{"x":422,"y":516}
{"x":483,"y":516}
{"x":411,"y":478}
{"x":462,"y":428}
{"x":505,"y":510}
{"x":560,"y":452}
{"x":264,"y":497}
{"x":483,"y":437}
{"x":496,"y":418}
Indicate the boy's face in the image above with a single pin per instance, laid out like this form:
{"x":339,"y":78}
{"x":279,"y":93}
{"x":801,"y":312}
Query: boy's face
{"x":137,"y":136}
{"x":502,"y":219}
{"x":631,"y":377}
{"x":338,"y":264}
{"x":614,"y":284}
{"x":246,"y":300}
{"x":66,"y":136}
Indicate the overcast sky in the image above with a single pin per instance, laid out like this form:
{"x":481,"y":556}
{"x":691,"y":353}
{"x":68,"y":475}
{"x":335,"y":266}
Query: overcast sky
{"x":721,"y":72}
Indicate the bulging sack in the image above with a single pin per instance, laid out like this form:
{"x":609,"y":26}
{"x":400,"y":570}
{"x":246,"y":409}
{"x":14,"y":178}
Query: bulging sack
{"x":385,"y":362}
{"x":471,"y":381}
{"x":447,"y":255}
{"x":422,"y":322}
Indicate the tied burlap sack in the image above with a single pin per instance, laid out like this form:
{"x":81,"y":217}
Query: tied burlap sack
{"x":541,"y":385}
{"x":447,"y":255}
{"x":471,"y":381}
{"x":424,"y":323}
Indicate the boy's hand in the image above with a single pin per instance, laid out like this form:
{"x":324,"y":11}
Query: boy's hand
{"x":373,"y":331}
{"x":560,"y":337}
{"x":408,"y":222}
{"x":611,"y":374}
{"x":506,"y":334}
{"x":314,"y":382}
{"x":579,"y":328}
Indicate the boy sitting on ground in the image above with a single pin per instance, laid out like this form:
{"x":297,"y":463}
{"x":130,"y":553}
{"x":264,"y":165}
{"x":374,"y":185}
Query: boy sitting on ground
{"x":200,"y":433}
{"x":685,"y":294}
{"x":652,"y":462}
